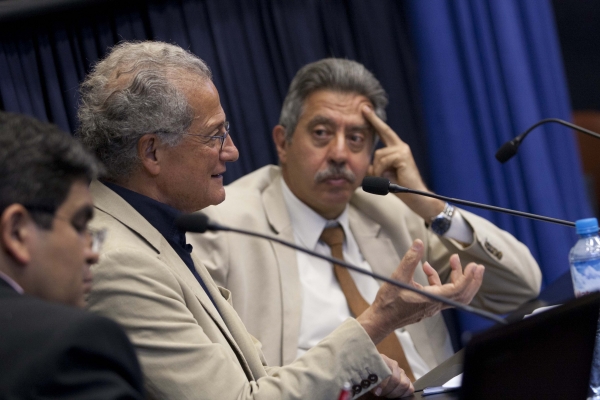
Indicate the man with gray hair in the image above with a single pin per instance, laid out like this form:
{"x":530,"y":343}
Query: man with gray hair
{"x":330,"y":119}
{"x":152,"y":114}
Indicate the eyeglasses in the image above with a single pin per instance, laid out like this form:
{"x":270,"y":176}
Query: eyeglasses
{"x":213,"y":138}
{"x":96,"y":236}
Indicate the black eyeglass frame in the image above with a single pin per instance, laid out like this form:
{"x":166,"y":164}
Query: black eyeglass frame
{"x":222,"y":138}
{"x":97,"y":236}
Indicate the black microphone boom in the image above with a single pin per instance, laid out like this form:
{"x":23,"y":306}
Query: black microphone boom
{"x":382,"y":186}
{"x":199,"y":223}
{"x":510,"y":148}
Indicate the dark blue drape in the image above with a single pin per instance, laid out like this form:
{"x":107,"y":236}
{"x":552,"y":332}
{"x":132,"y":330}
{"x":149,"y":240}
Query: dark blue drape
{"x":488,"y":70}
{"x":253,"y":47}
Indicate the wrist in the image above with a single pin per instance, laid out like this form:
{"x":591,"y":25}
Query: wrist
{"x":374,"y":328}
{"x":441,"y":223}
{"x":425,"y":207}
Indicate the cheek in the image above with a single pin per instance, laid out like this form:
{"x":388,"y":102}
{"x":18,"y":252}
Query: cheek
{"x":359,"y":164}
{"x":312,"y":161}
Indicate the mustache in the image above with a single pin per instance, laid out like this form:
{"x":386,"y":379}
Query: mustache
{"x":335,"y":171}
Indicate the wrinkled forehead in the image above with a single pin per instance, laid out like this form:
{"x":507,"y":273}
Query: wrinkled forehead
{"x":336,"y":109}
{"x":348,"y":103}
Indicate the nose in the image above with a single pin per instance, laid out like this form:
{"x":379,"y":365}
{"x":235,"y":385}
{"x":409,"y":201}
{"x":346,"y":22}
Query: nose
{"x":229,"y":153}
{"x":338,"y":148}
{"x":92,"y":256}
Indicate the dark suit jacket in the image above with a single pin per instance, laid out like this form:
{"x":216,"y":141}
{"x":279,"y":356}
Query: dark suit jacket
{"x":51,"y":351}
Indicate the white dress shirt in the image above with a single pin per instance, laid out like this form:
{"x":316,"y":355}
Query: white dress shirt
{"x":324,"y":306}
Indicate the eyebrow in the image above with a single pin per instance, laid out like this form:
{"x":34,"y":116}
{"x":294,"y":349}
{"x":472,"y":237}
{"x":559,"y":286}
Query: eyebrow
{"x":216,"y":127}
{"x":361,"y":128}
{"x":320,"y":120}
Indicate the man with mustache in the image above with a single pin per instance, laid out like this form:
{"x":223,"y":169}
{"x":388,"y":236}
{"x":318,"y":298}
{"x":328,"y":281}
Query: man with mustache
{"x":153,"y":116}
{"x":330,"y":119}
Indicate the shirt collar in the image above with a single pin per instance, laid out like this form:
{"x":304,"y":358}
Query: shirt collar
{"x":307,"y":224}
{"x":161,"y":216}
{"x":11,"y":283}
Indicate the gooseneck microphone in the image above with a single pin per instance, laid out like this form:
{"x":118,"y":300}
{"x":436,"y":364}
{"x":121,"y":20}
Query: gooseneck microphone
{"x":199,"y":223}
{"x":510,"y":148}
{"x":382,"y":186}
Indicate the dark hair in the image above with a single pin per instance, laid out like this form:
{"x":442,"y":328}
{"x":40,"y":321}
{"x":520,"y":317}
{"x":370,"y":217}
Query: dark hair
{"x":38,"y":165}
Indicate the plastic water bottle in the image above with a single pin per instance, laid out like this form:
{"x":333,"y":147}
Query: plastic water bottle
{"x":585,"y":270}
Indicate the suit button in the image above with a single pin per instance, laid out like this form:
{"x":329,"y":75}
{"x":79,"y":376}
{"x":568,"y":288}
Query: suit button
{"x":373,"y":378}
{"x":365,"y":383}
{"x":356,"y":389}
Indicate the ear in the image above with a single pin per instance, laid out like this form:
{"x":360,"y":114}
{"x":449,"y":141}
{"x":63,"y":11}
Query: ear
{"x":280,"y":143}
{"x":16,"y":232}
{"x":147,"y":150}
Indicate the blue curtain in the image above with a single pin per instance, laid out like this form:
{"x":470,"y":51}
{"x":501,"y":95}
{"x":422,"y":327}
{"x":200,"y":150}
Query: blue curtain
{"x":253,"y":47}
{"x":488,"y":70}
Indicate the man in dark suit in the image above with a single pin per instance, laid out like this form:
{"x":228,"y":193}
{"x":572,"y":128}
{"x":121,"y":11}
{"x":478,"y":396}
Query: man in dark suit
{"x":48,"y":347}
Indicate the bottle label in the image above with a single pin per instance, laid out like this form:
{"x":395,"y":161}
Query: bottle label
{"x":586,"y":276}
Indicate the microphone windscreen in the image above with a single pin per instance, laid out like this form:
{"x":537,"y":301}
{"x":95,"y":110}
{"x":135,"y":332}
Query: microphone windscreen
{"x":196,"y":222}
{"x":376,"y":185}
{"x":506,"y":152}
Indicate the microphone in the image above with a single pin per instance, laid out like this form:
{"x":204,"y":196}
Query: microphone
{"x":382,"y":186}
{"x":200,"y":223}
{"x":510,"y":148}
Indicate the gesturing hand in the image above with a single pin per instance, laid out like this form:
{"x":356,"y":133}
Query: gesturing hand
{"x":394,"y":307}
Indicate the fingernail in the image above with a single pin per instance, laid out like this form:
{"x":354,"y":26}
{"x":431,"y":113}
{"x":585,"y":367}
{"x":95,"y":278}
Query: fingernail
{"x":378,"y":392}
{"x":417,"y":245}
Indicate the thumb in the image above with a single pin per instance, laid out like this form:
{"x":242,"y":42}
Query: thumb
{"x":406,"y":270}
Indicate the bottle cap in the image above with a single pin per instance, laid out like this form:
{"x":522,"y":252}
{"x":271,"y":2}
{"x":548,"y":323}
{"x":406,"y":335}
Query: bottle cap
{"x":585,"y":226}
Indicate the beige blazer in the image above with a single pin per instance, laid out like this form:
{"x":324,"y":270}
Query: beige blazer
{"x":264,"y":280}
{"x":188,"y":349}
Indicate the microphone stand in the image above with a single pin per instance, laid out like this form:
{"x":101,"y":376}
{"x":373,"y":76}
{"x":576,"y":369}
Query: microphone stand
{"x":509,"y":149}
{"x":382,"y":186}
{"x":189,"y":221}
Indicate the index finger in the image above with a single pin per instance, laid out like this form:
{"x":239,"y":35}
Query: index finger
{"x":387,"y":134}
{"x":408,"y":264}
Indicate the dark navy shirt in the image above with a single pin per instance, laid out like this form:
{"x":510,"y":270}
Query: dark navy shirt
{"x":162,"y":217}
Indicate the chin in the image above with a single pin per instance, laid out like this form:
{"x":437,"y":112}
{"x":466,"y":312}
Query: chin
{"x":339,"y":197}
{"x":218,"y":198}
{"x":201,"y":206}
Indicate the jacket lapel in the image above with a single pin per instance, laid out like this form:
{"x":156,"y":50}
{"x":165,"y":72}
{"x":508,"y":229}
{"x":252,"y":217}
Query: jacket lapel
{"x":111,"y":203}
{"x":230,"y":324}
{"x":278,"y":217}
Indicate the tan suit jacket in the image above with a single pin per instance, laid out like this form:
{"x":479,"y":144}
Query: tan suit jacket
{"x":264,"y":280}
{"x":188,"y":349}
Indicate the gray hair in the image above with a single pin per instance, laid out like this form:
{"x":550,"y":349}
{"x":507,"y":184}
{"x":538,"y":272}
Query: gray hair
{"x":133,"y":92}
{"x":334,"y":74}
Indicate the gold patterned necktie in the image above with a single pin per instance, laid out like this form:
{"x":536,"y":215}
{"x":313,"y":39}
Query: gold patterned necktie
{"x":390,"y":346}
